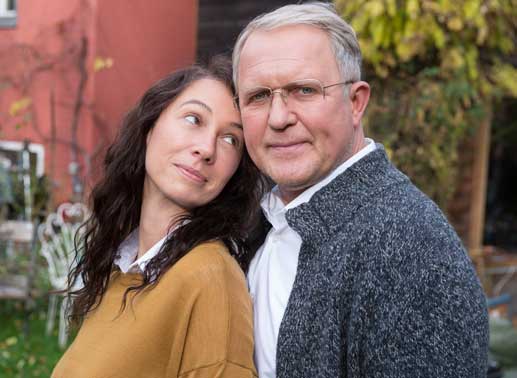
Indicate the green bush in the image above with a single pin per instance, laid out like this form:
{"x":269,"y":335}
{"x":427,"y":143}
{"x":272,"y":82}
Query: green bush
{"x":437,"y":69}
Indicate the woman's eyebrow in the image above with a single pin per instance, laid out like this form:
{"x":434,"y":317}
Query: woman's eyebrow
{"x":236,"y":125}
{"x":197,"y":102}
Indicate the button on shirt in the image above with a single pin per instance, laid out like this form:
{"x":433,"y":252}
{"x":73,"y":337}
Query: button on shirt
{"x":273,"y":269}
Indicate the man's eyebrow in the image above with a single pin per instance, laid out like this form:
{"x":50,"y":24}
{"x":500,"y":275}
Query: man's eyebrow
{"x":197,"y":102}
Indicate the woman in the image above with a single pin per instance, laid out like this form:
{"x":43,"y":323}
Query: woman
{"x":162,"y":296}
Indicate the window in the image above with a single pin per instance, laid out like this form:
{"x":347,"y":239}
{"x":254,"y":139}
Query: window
{"x":10,"y":153}
{"x":7,"y":13}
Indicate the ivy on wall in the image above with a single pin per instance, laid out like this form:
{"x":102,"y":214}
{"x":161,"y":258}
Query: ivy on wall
{"x":436,"y":67}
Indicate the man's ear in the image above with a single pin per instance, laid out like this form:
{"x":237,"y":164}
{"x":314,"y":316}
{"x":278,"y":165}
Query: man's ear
{"x":359,"y":96}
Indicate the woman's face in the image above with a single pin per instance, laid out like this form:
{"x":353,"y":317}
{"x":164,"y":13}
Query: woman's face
{"x":195,"y":146}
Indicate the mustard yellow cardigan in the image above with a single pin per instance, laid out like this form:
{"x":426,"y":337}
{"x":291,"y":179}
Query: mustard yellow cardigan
{"x":195,"y":323}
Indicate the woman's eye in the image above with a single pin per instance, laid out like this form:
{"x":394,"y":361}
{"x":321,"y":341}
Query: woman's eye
{"x":192,"y":119}
{"x":230,"y":139}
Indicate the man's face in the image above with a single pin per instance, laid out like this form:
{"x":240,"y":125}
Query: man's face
{"x":296,"y":143}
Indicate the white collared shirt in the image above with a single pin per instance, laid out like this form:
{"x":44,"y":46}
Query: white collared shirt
{"x":272,"y":271}
{"x":127,"y":254}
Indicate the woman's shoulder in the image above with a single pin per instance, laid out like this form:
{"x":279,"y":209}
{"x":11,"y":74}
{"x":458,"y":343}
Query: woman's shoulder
{"x":205,"y":263}
{"x":213,"y":253}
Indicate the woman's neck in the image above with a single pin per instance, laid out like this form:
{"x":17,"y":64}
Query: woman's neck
{"x":155,"y":219}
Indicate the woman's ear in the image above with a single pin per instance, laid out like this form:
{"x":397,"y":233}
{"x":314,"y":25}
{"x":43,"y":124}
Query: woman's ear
{"x":148,"y":136}
{"x":359,"y":96}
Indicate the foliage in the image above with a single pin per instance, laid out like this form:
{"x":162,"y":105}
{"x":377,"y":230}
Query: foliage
{"x":34,"y":356}
{"x":503,"y":341}
{"x":101,"y":63}
{"x":40,"y":194}
{"x":437,"y":67}
{"x":19,"y":105}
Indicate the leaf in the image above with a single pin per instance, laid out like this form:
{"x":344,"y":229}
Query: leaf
{"x":453,"y":59}
{"x":455,"y":24}
{"x":438,"y":37}
{"x":471,"y":58}
{"x":413,"y":8}
{"x":360,"y":23}
{"x":374,"y":7}
{"x":100,"y":63}
{"x":391,"y":6}
{"x":405,"y":51}
{"x":505,"y":76}
{"x":378,"y":29}
{"x":471,"y":8}
{"x":19,"y":105}
{"x":482,"y":34}
{"x":11,"y":341}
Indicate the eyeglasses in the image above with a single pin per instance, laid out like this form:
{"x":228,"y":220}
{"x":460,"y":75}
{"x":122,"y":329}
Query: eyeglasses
{"x":301,"y":92}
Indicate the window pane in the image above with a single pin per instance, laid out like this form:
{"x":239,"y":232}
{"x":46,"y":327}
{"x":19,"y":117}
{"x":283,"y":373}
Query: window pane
{"x":11,"y":5}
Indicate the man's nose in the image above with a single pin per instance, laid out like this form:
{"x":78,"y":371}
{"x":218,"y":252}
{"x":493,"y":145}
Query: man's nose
{"x":280,"y":116}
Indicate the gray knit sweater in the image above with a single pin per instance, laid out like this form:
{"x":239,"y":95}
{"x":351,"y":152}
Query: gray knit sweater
{"x":384,"y":287}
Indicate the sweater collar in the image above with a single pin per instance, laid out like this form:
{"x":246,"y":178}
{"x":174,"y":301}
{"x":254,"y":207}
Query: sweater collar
{"x":334,"y":206}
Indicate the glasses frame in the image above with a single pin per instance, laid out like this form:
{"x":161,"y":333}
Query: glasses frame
{"x":282,"y":89}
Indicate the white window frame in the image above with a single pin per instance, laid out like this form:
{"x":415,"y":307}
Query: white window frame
{"x":7,"y":16}
{"x":35,"y":148}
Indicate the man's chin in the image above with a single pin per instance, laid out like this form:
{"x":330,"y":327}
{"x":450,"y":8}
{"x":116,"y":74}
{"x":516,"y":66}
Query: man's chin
{"x":291,"y":185}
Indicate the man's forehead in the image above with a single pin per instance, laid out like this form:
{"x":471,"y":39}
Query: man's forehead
{"x":264,"y":61}
{"x":286,"y":39}
{"x":274,"y":52}
{"x":273,"y":71}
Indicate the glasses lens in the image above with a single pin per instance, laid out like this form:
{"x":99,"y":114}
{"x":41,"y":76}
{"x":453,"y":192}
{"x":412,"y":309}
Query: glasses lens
{"x":257,"y":96}
{"x":304,"y":90}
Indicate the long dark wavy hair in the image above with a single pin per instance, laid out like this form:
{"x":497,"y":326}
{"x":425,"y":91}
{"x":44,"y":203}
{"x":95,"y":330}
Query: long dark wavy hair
{"x":116,"y":200}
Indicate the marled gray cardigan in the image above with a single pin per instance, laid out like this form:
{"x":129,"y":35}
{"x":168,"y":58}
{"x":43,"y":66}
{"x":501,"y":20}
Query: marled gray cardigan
{"x":384,"y":287}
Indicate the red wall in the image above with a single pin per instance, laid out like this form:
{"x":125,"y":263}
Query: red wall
{"x":156,"y":40}
{"x":144,"y":44}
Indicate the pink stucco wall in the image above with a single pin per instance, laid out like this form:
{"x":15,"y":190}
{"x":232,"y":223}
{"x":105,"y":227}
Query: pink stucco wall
{"x":39,"y":60}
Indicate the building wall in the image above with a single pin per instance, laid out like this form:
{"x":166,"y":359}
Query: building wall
{"x":38,"y":67}
{"x":42,"y":63}
{"x":145,"y":45}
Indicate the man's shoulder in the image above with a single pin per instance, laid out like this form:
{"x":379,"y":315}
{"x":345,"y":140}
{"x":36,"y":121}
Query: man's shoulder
{"x":401,"y":218}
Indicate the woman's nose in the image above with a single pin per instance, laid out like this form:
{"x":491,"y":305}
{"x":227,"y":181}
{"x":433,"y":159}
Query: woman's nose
{"x":205,"y":148}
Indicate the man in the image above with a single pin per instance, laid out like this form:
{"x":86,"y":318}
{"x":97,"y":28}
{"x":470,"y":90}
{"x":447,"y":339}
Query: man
{"x":360,"y":274}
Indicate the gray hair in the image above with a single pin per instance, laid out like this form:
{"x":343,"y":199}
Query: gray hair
{"x":321,"y":15}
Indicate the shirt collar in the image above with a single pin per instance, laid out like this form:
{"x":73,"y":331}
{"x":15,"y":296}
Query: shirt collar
{"x":274,"y":208}
{"x":127,"y":254}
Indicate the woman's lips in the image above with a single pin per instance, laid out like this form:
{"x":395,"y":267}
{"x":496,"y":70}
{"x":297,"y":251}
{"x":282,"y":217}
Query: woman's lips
{"x":191,"y":173}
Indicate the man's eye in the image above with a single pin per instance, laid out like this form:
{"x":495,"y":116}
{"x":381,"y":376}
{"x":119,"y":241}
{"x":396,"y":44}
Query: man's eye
{"x":306,"y":90}
{"x":192,"y":119}
{"x":258,"y":97}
